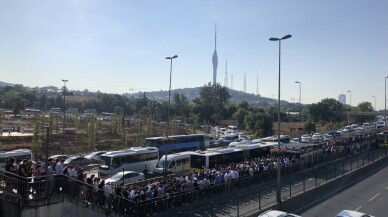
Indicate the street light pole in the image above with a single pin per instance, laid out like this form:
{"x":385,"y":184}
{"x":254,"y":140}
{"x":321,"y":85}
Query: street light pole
{"x":278,"y":192}
{"x":350,"y":100}
{"x":385,"y":104}
{"x":375,"y":102}
{"x":64,"y":103}
{"x":300,"y":97}
{"x":168,"y":111}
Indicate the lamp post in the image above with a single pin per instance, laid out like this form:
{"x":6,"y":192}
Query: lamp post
{"x":168,"y":111}
{"x":350,"y":103}
{"x":64,"y":103}
{"x":278,"y":196}
{"x":300,"y":97}
{"x":385,"y":103}
{"x":375,"y":102}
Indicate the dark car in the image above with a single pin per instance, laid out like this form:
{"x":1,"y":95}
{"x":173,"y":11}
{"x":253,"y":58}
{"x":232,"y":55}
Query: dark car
{"x":80,"y":161}
{"x":334,"y":134}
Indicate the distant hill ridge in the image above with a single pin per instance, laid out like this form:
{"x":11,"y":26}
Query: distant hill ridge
{"x":192,"y":93}
{"x":3,"y":84}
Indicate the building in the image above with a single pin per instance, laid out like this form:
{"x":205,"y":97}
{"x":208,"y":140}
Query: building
{"x":215,"y":58}
{"x":342,"y":99}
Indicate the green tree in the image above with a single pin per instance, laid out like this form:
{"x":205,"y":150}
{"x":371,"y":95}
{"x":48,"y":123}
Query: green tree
{"x":239,"y":116}
{"x":258,"y":124}
{"x":211,"y":103}
{"x":181,"y":105}
{"x":364,"y":107}
{"x":92,"y":134}
{"x":309,"y":126}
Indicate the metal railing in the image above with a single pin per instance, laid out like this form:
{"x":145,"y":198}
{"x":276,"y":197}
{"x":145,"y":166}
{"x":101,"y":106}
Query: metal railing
{"x":244,"y":194}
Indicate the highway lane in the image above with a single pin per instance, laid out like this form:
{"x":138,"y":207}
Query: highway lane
{"x":369,"y":196}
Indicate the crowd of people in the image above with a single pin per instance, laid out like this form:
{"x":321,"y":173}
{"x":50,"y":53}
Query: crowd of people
{"x":170,"y":191}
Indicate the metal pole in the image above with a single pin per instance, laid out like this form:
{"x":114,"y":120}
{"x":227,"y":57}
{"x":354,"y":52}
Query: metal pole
{"x":278,"y":190}
{"x":46,"y":190}
{"x":64,"y":104}
{"x":168,"y":113}
{"x":385,"y":103}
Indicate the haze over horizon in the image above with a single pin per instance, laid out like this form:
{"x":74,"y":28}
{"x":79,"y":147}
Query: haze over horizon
{"x":117,"y":46}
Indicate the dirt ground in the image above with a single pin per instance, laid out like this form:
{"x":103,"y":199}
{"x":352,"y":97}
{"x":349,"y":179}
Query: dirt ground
{"x":75,"y":141}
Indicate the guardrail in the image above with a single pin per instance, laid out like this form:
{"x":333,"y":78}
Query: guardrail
{"x":243,"y":194}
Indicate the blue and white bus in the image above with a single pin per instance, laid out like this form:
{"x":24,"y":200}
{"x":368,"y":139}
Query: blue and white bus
{"x":178,"y":143}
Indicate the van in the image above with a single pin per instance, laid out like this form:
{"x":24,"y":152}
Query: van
{"x":176,"y":163}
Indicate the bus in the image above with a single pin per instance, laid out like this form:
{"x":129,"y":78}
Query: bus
{"x":134,"y":159}
{"x":19,"y":154}
{"x":255,"y":150}
{"x":178,"y":143}
{"x":106,"y":116}
{"x":33,"y":112}
{"x":309,"y":154}
{"x":176,"y":163}
{"x":213,"y":157}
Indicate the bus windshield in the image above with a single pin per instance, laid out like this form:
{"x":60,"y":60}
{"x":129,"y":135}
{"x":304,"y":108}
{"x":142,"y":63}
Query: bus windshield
{"x":105,"y":162}
{"x":161,"y":163}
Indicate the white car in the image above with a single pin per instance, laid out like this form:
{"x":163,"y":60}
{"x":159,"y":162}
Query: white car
{"x":125,"y":177}
{"x":276,"y":213}
{"x":350,"y":213}
{"x":95,"y":156}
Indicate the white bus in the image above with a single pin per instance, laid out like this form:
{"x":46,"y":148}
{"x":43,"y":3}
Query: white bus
{"x":106,"y":116}
{"x":213,"y":157}
{"x":176,"y":163}
{"x":133,"y":159}
{"x":19,"y":154}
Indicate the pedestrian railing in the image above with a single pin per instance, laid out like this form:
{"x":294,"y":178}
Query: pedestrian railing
{"x":238,"y":196}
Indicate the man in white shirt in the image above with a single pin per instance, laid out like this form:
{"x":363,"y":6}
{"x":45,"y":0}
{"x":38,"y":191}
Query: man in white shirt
{"x":59,"y":167}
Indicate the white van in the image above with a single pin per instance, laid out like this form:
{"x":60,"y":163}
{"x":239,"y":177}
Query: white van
{"x":176,"y":163}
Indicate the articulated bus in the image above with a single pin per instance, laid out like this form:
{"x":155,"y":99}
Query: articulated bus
{"x":213,"y":157}
{"x":133,"y":159}
{"x":178,"y":143}
{"x":308,"y":154}
{"x":255,"y":150}
{"x":19,"y":154}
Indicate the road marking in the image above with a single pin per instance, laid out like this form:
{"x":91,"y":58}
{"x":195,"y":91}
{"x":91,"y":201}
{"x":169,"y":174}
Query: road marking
{"x":374,"y":197}
{"x":358,"y":208}
{"x":386,"y":188}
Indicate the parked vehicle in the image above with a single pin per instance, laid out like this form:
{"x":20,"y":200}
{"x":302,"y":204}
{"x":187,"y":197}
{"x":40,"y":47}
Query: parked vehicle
{"x":125,"y":177}
{"x":277,"y":213}
{"x":351,"y":213}
{"x":80,"y":161}
{"x":95,"y":156}
{"x":59,"y":156}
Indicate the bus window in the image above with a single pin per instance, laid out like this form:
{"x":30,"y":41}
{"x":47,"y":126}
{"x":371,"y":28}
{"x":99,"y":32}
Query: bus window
{"x":116,"y":162}
{"x":172,"y":165}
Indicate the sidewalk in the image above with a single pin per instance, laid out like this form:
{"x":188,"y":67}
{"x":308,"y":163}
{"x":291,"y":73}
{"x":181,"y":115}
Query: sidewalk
{"x":14,"y":134}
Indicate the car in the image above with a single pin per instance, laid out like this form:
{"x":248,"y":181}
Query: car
{"x":277,"y":213}
{"x":95,"y":156}
{"x":80,"y":161}
{"x":295,"y":140}
{"x":334,"y":134}
{"x":351,"y":213}
{"x":306,"y":138}
{"x":125,"y":177}
{"x":59,"y":156}
{"x":317,"y":138}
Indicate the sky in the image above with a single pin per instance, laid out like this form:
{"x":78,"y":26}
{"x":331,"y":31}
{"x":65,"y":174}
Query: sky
{"x":120,"y":46}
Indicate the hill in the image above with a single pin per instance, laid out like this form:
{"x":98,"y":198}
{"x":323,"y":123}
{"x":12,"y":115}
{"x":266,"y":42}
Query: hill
{"x":3,"y":84}
{"x":192,"y":93}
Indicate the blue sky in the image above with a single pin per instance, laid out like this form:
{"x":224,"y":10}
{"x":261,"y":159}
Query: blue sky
{"x":114,"y":46}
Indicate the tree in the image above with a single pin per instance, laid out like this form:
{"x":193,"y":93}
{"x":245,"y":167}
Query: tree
{"x":258,"y":124}
{"x":364,"y":107}
{"x":328,"y":110}
{"x":309,"y":126}
{"x":211,"y":103}
{"x":181,"y":105}
{"x":239,"y":116}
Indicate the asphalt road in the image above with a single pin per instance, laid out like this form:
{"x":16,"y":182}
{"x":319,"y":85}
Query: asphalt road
{"x":369,"y":196}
